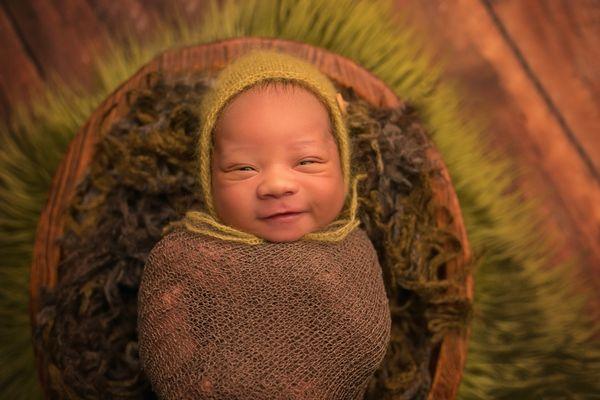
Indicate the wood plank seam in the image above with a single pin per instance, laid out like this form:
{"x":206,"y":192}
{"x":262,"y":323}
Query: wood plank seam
{"x":540,"y":89}
{"x":36,"y":63}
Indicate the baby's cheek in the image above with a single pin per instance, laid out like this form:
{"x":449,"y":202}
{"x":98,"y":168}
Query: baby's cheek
{"x":337,"y":203}
{"x":329,"y":198}
{"x":232,"y":203}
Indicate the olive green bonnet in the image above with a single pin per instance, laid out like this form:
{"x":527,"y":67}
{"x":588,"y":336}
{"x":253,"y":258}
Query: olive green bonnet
{"x":254,"y":68}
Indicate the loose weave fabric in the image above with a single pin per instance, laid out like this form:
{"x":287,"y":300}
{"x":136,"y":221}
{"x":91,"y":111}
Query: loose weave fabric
{"x":296,"y":320}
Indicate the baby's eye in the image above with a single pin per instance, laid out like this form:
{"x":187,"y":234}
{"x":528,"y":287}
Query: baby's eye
{"x":245,"y":169}
{"x":307,"y":161}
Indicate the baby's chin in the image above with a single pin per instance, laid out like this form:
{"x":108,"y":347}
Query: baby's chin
{"x":283,"y":237}
{"x":281,"y":231}
{"x":282,"y":234}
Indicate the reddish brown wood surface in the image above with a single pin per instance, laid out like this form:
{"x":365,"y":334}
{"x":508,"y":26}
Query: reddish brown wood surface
{"x":511,"y":57}
{"x":557,"y":42}
{"x":125,"y":17}
{"x":212,"y":58}
{"x":20,"y":78}
{"x":63,"y":36}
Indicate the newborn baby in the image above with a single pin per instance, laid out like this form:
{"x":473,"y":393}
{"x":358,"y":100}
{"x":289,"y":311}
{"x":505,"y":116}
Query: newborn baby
{"x":274,"y":293}
{"x":275,"y":166}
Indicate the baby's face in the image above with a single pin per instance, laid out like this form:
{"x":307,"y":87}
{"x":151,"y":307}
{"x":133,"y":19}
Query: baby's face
{"x":274,"y":153}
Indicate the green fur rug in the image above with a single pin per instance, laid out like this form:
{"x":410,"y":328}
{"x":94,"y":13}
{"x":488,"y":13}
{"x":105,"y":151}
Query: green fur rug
{"x":530,"y":338}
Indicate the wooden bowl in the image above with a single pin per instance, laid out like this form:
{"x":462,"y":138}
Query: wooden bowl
{"x":210,"y":58}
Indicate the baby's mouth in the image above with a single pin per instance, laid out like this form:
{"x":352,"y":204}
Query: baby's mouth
{"x":284,"y":217}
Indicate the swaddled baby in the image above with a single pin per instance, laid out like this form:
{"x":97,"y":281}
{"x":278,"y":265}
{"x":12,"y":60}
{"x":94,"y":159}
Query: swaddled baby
{"x":273,"y":292}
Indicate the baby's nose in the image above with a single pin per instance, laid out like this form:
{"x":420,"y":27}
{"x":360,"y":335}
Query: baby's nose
{"x":277,"y":185}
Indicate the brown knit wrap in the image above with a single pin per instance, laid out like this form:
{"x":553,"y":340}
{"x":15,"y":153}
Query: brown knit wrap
{"x":296,"y":320}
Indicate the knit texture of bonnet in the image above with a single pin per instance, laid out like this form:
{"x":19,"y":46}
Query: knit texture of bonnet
{"x":250,"y":70}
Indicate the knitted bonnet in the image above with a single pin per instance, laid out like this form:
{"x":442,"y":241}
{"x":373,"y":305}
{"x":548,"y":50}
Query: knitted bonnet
{"x":255,"y":68}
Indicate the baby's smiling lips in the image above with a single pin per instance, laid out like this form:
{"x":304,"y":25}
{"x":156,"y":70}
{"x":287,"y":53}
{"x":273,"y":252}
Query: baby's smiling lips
{"x":283,"y":216}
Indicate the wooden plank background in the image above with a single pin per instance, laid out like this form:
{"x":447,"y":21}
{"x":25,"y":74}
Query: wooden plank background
{"x":531,"y":66}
